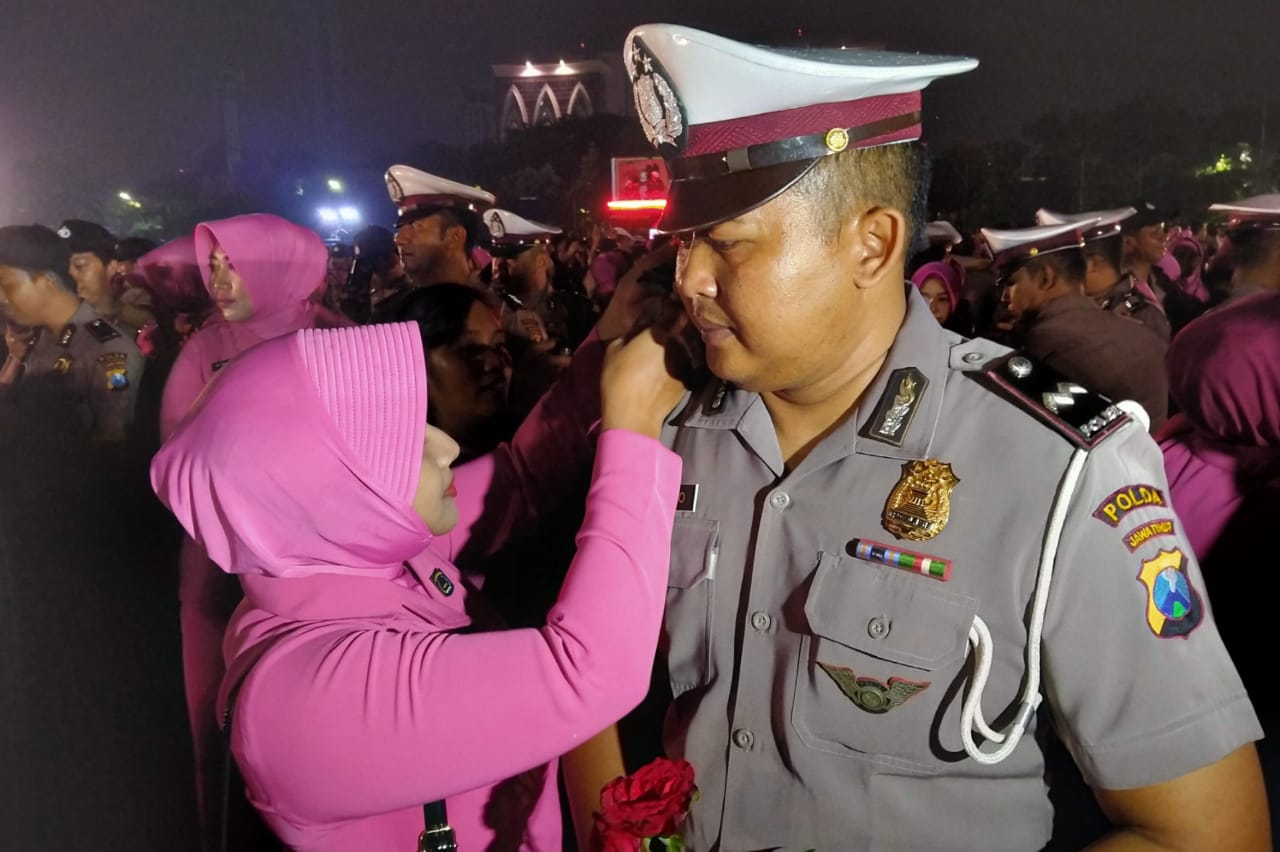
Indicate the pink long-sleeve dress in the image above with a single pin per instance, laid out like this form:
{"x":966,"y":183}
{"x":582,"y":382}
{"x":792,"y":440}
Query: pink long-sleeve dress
{"x":360,"y":682}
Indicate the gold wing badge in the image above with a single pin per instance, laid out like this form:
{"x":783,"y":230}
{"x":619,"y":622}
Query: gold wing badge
{"x":872,"y":695}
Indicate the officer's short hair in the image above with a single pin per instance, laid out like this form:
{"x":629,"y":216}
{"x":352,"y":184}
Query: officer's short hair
{"x":452,"y":217}
{"x":1068,"y":263}
{"x":894,"y":176}
{"x":1253,"y":246}
{"x":1110,"y":249}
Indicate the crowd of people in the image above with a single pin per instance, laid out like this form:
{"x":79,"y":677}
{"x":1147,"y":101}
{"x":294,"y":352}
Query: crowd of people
{"x":904,"y":523}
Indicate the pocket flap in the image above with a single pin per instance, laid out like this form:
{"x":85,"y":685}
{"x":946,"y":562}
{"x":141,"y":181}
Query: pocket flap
{"x":694,"y":545}
{"x":888,"y":613}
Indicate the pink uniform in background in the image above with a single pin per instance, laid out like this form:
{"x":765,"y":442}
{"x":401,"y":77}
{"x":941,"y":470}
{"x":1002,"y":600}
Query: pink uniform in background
{"x":359,"y":684}
{"x":280,"y":264}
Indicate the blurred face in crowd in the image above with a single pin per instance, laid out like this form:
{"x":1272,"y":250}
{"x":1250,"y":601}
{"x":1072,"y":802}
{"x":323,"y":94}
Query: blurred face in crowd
{"x":1148,"y":243}
{"x":1023,"y":292}
{"x":469,"y":377}
{"x":781,"y":303}
{"x":426,"y":243}
{"x":20,"y":299}
{"x":91,"y":278}
{"x":227,"y":288}
{"x":434,"y":500}
{"x":532,"y":267}
{"x":337,"y":271}
{"x":939,"y":299}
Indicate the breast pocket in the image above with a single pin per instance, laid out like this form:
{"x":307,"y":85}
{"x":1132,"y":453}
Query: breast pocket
{"x":883,"y":649}
{"x":686,"y":633}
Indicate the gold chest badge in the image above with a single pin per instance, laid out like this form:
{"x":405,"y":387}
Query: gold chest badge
{"x":920,"y":504}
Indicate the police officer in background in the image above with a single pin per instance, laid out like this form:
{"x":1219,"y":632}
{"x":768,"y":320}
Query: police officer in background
{"x":1253,"y":226}
{"x":1109,"y":281}
{"x":1042,"y":272}
{"x":437,"y":226}
{"x":92,"y":264}
{"x":75,"y":368}
{"x":856,"y":659}
{"x":376,"y":273}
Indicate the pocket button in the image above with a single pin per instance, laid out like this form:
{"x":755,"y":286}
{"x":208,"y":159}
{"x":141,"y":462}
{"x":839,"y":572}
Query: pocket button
{"x":761,"y":621}
{"x":878,"y":627}
{"x":743,"y":738}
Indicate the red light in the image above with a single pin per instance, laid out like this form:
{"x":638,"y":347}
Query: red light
{"x":639,"y":204}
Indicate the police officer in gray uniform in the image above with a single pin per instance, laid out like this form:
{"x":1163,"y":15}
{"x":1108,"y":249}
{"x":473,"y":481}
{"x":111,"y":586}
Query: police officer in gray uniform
{"x":894,"y":544}
{"x":77,"y":369}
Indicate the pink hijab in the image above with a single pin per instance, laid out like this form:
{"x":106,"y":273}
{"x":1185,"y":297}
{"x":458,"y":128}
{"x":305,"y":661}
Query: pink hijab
{"x":304,"y":454}
{"x":172,"y":275}
{"x":280,"y":263}
{"x":947,"y":273}
{"x":1193,"y":284}
{"x":1224,"y":373}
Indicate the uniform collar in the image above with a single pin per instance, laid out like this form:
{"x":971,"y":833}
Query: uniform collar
{"x":921,"y":351}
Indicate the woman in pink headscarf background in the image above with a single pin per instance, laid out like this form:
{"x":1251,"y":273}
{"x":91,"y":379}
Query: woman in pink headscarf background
{"x":1222,"y":457}
{"x":358,"y":686}
{"x":260,"y":271}
{"x":941,"y":283}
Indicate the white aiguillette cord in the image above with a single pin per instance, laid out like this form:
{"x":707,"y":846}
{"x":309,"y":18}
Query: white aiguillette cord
{"x":971,"y":717}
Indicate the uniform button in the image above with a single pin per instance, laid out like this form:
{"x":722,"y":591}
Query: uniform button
{"x":972,"y":357}
{"x":743,"y":738}
{"x":1020,"y":367}
{"x":878,"y":627}
{"x":780,"y":500}
{"x":760,"y":621}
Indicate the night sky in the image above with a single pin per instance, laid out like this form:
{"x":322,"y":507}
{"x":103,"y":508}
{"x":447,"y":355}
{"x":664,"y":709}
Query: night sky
{"x":130,"y":87}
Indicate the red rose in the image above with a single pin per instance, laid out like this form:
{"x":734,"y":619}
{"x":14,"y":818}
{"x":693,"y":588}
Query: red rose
{"x":607,"y":838}
{"x":650,"y":802}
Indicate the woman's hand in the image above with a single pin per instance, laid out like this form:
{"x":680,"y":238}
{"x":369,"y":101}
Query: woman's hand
{"x":637,"y":390}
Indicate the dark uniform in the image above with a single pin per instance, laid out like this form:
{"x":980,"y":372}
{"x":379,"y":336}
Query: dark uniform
{"x":1124,"y":299}
{"x":1100,"y":351}
{"x":86,"y":374}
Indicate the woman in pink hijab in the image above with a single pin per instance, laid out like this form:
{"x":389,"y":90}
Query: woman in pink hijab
{"x":1222,"y":456}
{"x":260,"y":271}
{"x":940,"y":282}
{"x":360,"y":682}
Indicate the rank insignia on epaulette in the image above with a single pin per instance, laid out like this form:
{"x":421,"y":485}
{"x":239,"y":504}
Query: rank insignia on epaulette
{"x":63,"y":365}
{"x":116,"y":366}
{"x":897,"y":406}
{"x":67,"y":335}
{"x":1084,"y":417}
{"x":102,"y":330}
{"x":218,"y":365}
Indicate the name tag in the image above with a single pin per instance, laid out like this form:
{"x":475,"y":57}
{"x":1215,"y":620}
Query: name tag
{"x":688,"y":500}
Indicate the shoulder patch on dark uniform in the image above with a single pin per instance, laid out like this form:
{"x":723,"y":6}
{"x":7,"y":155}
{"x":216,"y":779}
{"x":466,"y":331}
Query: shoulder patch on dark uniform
{"x":1081,"y":416}
{"x":102,"y":330}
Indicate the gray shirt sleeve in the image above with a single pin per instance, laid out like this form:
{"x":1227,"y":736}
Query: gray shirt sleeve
{"x":1141,"y":688}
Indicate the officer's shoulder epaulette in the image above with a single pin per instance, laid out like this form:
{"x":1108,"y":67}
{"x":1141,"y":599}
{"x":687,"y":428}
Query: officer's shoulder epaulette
{"x":1082,"y":417}
{"x":102,"y":330}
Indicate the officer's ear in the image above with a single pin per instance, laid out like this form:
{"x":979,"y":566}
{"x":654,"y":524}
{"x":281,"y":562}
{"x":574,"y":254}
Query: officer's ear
{"x":878,"y":238}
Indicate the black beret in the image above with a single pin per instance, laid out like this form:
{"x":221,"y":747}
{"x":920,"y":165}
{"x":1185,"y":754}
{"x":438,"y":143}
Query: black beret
{"x":33,"y":247}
